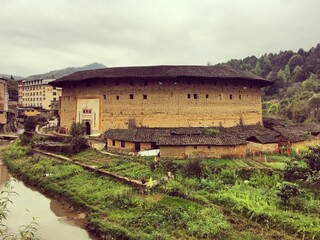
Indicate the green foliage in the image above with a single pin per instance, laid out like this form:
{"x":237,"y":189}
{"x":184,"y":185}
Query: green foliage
{"x":78,"y":142}
{"x":15,"y":151}
{"x":313,"y":158}
{"x":193,"y":169}
{"x":31,"y":122}
{"x":287,"y":191}
{"x":312,"y":84}
{"x":211,"y":131}
{"x":25,"y":140}
{"x":77,"y":129}
{"x":292,"y":73}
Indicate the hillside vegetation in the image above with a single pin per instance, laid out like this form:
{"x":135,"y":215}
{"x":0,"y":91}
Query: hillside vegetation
{"x":295,"y":94}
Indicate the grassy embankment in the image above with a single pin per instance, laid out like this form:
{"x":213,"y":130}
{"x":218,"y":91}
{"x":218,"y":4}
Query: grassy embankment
{"x":214,"y":199}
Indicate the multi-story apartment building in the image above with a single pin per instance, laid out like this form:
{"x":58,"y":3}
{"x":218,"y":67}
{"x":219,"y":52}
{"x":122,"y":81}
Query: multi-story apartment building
{"x":38,"y":93}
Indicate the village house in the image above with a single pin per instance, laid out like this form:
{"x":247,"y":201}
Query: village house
{"x":4,"y":100}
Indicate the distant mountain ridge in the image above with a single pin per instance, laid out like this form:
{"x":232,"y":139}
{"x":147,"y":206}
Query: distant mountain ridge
{"x":66,"y":71}
{"x":7,"y":76}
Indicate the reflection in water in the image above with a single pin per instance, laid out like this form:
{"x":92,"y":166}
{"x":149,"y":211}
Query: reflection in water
{"x":29,"y":204}
{"x":4,"y":174}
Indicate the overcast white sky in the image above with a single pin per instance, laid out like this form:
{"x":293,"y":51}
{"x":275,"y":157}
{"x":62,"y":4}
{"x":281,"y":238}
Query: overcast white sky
{"x":37,"y":36}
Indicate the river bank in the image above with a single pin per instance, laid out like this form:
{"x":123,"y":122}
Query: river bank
{"x":52,"y":218}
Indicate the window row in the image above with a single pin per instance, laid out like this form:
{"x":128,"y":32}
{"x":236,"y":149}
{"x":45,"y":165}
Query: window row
{"x":189,"y":82}
{"x":32,"y":99}
{"x":220,"y":96}
{"x":131,"y":96}
{"x":33,"y":94}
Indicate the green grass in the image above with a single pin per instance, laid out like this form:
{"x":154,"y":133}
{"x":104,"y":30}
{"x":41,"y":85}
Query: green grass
{"x":183,"y":208}
{"x":276,"y":165}
{"x":116,"y":209}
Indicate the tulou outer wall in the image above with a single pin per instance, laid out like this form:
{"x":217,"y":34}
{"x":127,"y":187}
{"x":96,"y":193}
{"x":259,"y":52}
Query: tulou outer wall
{"x":127,"y":103}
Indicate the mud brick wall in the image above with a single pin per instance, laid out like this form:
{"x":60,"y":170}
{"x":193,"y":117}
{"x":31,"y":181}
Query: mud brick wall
{"x":166,"y":102}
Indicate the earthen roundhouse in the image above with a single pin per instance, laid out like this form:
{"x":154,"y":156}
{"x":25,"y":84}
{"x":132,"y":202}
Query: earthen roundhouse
{"x":160,"y":96}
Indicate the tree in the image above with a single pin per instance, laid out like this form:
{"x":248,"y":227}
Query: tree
{"x":314,"y":106}
{"x":78,"y":141}
{"x":313,"y":159}
{"x":257,"y":69}
{"x":294,"y":61}
{"x":312,"y":83}
{"x":298,"y":74}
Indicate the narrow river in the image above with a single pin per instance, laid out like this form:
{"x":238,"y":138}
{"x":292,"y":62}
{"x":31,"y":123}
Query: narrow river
{"x":54,"y":219}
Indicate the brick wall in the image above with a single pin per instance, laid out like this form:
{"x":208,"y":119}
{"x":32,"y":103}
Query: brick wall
{"x":202,"y":151}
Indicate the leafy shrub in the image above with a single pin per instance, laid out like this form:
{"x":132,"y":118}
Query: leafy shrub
{"x":14,"y":151}
{"x":313,"y":158}
{"x":169,"y":166}
{"x":31,"y":122}
{"x":287,"y":191}
{"x":228,"y":176}
{"x":193,"y":168}
{"x":25,"y":140}
{"x":174,"y":188}
{"x":78,"y":142}
{"x":292,"y":173}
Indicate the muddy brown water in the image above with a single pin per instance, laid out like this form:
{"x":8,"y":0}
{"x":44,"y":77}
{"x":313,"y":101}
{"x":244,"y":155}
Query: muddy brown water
{"x":55,"y":220}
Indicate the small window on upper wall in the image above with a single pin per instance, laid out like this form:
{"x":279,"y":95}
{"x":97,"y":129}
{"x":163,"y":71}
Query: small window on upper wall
{"x":195,"y":96}
{"x":240,"y":97}
{"x":220,"y":96}
{"x":189,"y":96}
{"x":131,"y":96}
{"x":230,"y":96}
{"x":207,"y":95}
{"x":113,"y":142}
{"x":105,"y":97}
{"x":123,"y":144}
{"x":145,"y":97}
{"x":117,"y":97}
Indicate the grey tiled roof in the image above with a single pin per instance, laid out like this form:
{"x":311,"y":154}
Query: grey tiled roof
{"x":296,"y":132}
{"x":195,"y":136}
{"x":164,"y":71}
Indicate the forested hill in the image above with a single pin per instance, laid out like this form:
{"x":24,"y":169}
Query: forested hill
{"x":295,"y":93}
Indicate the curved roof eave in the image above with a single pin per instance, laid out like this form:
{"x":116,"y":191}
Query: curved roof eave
{"x":208,"y":72}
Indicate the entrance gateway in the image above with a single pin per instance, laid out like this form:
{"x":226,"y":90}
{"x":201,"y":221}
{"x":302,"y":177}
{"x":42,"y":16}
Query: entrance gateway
{"x":88,"y":127}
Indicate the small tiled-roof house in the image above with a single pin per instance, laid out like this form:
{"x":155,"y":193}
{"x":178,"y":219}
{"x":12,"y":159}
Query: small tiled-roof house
{"x":194,"y":142}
